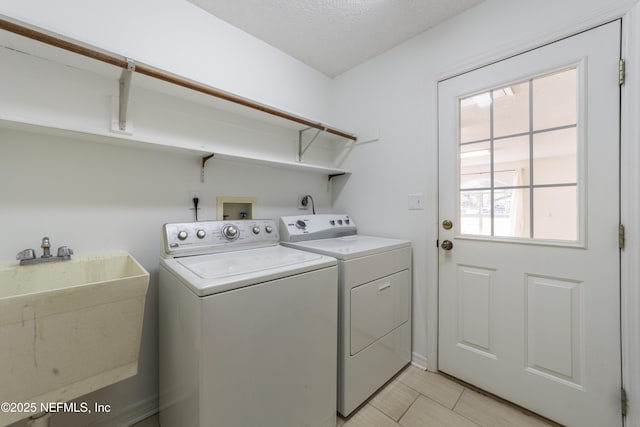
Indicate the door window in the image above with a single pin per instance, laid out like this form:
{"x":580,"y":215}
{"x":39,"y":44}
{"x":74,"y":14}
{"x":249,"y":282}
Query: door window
{"x":518,"y":156}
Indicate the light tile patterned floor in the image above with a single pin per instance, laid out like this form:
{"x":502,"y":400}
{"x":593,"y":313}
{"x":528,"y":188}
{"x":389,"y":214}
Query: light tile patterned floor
{"x":417,"y":398}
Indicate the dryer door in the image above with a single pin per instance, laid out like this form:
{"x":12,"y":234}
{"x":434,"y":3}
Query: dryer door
{"x":377,"y":308}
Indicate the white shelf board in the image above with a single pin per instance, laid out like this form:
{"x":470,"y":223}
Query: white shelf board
{"x":18,"y":123}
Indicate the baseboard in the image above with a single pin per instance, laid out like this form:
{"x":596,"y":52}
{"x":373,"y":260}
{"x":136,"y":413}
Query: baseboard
{"x":130,"y":414}
{"x":419,"y":361}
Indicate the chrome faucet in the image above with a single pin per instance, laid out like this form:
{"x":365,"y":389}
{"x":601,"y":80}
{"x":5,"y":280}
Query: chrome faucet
{"x":46,"y":245}
{"x":28,"y":256}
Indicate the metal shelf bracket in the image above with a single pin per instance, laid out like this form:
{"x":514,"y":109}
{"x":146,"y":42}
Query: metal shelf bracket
{"x":204,"y":161}
{"x":330,"y":177}
{"x":125,"y":88}
{"x":301,"y":150}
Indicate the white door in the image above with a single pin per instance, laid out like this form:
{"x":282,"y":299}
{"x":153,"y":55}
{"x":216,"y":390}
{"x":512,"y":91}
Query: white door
{"x":529,"y":266}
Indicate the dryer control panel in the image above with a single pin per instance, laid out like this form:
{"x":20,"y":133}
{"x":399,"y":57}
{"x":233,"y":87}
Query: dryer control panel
{"x":312,"y":227}
{"x":205,"y":237}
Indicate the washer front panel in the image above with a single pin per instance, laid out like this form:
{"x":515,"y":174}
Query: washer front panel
{"x":196,"y":238}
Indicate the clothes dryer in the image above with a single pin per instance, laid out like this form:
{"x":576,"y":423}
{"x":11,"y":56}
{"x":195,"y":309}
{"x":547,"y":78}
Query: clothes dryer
{"x":374,"y":300}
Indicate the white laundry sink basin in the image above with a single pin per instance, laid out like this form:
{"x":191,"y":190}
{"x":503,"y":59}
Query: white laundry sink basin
{"x":68,"y":328}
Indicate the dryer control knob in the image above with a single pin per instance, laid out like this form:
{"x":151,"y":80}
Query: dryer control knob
{"x":256,"y":229}
{"x":230,"y":232}
{"x":268,"y":229}
{"x":301,"y":224}
{"x":201,"y":234}
{"x":182,"y":235}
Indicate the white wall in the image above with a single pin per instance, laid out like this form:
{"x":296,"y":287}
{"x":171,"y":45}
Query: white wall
{"x":393,"y":97}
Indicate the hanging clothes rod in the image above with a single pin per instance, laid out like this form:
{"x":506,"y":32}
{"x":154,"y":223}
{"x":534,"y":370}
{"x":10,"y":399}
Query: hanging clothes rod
{"x":161,"y":75}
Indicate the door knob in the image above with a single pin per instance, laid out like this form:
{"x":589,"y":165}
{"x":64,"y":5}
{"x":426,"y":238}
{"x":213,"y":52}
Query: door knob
{"x":447,"y":224}
{"x":447,"y":245}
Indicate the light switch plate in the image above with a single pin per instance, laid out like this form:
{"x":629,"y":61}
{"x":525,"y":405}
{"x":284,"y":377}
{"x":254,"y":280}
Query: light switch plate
{"x":416,"y":202}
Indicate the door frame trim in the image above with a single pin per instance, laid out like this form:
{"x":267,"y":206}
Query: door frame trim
{"x":629,"y":191}
{"x":630,"y":217}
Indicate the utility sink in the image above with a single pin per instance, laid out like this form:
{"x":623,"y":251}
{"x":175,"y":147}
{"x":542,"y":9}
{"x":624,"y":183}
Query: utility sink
{"x":68,"y":328}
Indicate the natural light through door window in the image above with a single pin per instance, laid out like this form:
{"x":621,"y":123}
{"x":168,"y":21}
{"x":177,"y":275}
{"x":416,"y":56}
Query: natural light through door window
{"x":519,"y":160}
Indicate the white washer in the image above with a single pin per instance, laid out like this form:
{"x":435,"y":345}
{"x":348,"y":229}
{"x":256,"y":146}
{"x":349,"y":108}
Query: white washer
{"x":248,"y":328}
{"x":374,"y":314}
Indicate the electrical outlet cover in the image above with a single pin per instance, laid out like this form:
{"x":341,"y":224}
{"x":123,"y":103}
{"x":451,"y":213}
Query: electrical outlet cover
{"x":301,"y":205}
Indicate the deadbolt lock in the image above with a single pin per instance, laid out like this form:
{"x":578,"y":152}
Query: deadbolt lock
{"x":447,"y":224}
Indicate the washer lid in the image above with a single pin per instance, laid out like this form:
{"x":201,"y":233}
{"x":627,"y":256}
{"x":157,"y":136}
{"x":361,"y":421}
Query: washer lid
{"x":245,"y":262}
{"x":214,"y":273}
{"x":349,"y":247}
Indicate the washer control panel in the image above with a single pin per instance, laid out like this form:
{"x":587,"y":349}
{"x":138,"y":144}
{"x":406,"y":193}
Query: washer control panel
{"x":311,"y":227}
{"x":204,"y":237}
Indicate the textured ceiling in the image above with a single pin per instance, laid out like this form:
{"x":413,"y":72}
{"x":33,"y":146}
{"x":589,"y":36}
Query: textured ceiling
{"x":333,"y":36}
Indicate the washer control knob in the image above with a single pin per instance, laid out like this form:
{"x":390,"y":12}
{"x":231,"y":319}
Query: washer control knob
{"x":301,"y":224}
{"x":339,"y":222}
{"x":346,"y":221}
{"x":256,"y":229}
{"x":268,"y":229}
{"x":230,"y":232}
{"x":332,"y":222}
{"x":182,"y":235}
{"x":201,"y":233}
